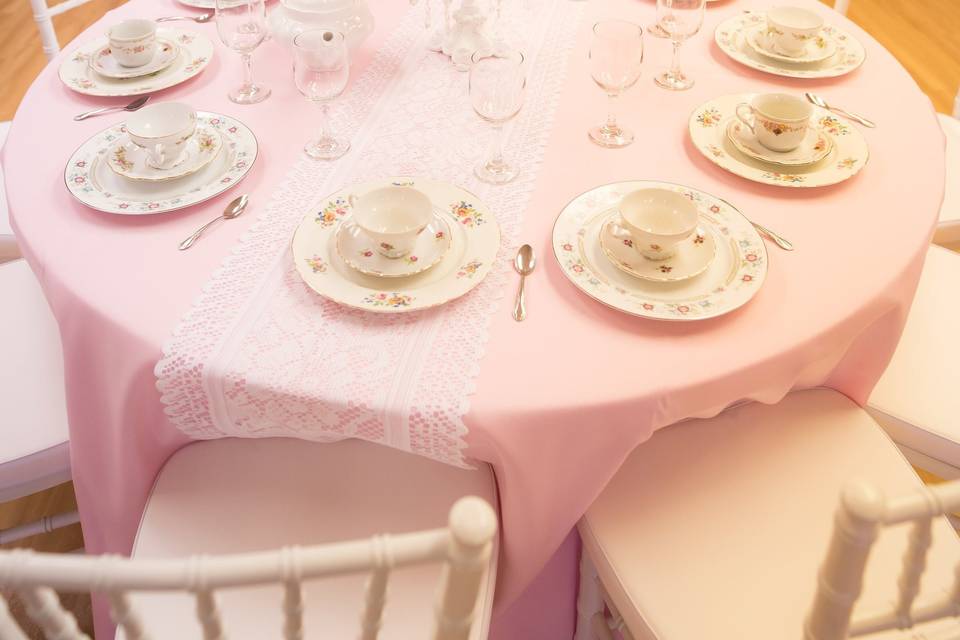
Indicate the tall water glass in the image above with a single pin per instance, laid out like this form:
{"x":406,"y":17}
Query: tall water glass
{"x":680,"y":19}
{"x":497,"y":86}
{"x":321,"y":68}
{"x":242,"y":26}
{"x":616,"y":60}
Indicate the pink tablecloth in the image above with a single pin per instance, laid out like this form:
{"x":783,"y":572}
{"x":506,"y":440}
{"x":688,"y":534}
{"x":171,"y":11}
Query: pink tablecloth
{"x":561,"y":398}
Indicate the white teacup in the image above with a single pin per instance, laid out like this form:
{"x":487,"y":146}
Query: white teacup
{"x":163,"y":130}
{"x":392,"y":217}
{"x":655,"y":221}
{"x":790,"y":28}
{"x":779,"y":121}
{"x":133,"y":42}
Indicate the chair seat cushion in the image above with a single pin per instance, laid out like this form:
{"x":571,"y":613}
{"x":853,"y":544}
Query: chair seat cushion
{"x":717,"y":528}
{"x":948,"y":229}
{"x":916,"y":400}
{"x":235,"y":495}
{"x":34,"y":437}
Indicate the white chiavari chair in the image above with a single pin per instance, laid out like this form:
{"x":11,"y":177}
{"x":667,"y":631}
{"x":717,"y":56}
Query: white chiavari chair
{"x":43,"y":15}
{"x":463,"y":549}
{"x":34,"y":437}
{"x":916,"y":399}
{"x":715,"y":528}
{"x":242,"y":528}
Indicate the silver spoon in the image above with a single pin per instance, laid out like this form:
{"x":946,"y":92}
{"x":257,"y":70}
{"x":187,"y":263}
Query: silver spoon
{"x":233,"y":210}
{"x":523,"y":264}
{"x":820,"y":102}
{"x":133,"y":106}
{"x":779,"y":240}
{"x":203,"y":17}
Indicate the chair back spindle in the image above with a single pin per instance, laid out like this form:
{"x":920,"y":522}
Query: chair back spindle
{"x":862,"y":512}
{"x":43,"y":16}
{"x":464,"y":547}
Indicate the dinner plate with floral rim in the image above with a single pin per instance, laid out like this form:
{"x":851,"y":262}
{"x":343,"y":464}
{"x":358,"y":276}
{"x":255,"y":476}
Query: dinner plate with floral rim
{"x":474,"y":244}
{"x":91,"y":181}
{"x":357,"y":250}
{"x":693,"y":255}
{"x":196,"y":51}
{"x":130,"y":161}
{"x":816,"y":146}
{"x":103,"y":62}
{"x":815,"y":50}
{"x":732,"y":279}
{"x":708,"y":125}
{"x":731,"y":37}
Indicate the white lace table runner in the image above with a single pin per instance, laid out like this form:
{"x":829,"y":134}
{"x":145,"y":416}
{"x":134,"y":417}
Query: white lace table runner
{"x":261,"y":355}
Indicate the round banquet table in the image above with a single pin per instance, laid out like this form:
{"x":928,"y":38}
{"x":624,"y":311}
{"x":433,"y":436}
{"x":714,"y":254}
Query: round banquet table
{"x":561,"y":398}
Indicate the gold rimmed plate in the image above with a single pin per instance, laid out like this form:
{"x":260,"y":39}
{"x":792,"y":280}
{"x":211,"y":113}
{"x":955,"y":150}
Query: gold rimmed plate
{"x":358,"y":251}
{"x":693,"y":256}
{"x":816,"y":145}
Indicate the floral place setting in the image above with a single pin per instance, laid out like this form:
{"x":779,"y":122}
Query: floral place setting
{"x":778,"y":139}
{"x":163,"y":158}
{"x":396,"y":245}
{"x":790,"y":42}
{"x":136,"y":57}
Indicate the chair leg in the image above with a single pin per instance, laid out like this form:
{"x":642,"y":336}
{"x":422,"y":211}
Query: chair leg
{"x":589,"y":598}
{"x":44,"y":525}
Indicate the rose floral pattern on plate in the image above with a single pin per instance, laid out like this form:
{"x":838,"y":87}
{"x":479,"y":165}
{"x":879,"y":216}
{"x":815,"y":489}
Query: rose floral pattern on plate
{"x":195,"y":53}
{"x":91,"y":180}
{"x":731,"y":37}
{"x":452,"y":256}
{"x":847,"y":156}
{"x":130,"y":161}
{"x":817,"y":49}
{"x":731,"y":280}
{"x":357,"y":250}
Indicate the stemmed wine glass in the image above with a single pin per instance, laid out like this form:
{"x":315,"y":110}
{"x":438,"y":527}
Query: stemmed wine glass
{"x":497,"y":87}
{"x":680,"y":19}
{"x":321,"y":68}
{"x":616,"y":60}
{"x":242,"y":27}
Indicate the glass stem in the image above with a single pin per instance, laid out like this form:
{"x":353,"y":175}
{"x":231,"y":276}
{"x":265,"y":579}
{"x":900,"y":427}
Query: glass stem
{"x":324,"y":122}
{"x":611,"y":125}
{"x":247,"y":71}
{"x":496,"y":152}
{"x":675,"y":61}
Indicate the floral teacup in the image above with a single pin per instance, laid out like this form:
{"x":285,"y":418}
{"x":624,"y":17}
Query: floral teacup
{"x":392,"y":217}
{"x":132,"y":42}
{"x":779,"y":121}
{"x":163,"y":130}
{"x":655,"y":221}
{"x":790,"y":28}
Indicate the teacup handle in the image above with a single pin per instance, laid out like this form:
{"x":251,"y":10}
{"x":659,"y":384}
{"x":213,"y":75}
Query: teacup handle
{"x":744,"y":105}
{"x":352,"y":199}
{"x":619,"y":231}
{"x":156,"y":154}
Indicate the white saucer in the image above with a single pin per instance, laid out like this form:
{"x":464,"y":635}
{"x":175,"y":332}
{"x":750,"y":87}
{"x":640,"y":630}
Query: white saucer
{"x":816,"y":146}
{"x":357,"y":250}
{"x":816,"y":49}
{"x":103,"y":62}
{"x":130,"y":161}
{"x":692,"y":258}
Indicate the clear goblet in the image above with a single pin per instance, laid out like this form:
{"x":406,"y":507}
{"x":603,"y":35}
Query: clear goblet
{"x":616,"y":60}
{"x":680,"y":19}
{"x":497,"y":85}
{"x":321,"y":68}
{"x":242,"y":27}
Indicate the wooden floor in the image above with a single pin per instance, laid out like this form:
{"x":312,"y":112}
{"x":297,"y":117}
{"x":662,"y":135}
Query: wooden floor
{"x":922,"y":34}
